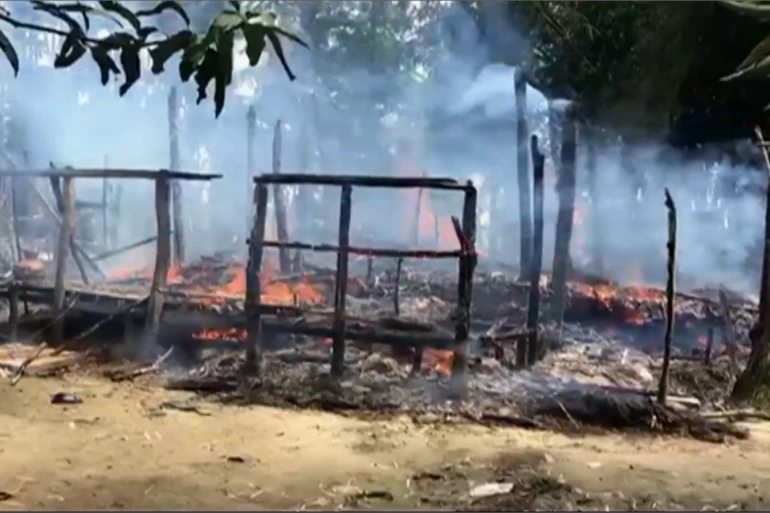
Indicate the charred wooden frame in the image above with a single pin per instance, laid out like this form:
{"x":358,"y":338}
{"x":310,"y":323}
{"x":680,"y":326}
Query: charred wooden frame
{"x":466,"y":256}
{"x":162,"y":180}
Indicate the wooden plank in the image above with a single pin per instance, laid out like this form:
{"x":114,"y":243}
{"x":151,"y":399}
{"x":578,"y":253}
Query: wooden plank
{"x":57,"y":194}
{"x":162,"y":259}
{"x":467,"y":265}
{"x":362,"y":181}
{"x":140,"y":174}
{"x":372,"y":252}
{"x":65,"y":233}
{"x":253,"y":362}
{"x":176,"y":187}
{"x":341,"y":283}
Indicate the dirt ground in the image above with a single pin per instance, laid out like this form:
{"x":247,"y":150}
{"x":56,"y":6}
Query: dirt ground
{"x":141,"y":447}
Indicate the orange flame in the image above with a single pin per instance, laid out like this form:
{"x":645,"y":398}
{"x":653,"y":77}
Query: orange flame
{"x":440,"y":360}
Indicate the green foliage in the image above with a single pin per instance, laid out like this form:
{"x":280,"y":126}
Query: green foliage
{"x":757,"y":63}
{"x":204,"y":58}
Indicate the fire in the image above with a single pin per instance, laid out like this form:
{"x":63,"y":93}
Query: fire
{"x":440,"y":360}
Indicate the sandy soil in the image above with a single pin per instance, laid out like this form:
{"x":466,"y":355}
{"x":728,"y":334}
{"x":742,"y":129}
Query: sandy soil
{"x":123,"y":448}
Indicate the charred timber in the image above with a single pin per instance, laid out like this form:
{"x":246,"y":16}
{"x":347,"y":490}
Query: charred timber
{"x":65,"y":234}
{"x":466,"y":267}
{"x":162,"y":260}
{"x":536,"y":263}
{"x":363,"y":181}
{"x":566,"y":191}
{"x":670,"y":298}
{"x":253,"y":361}
{"x":359,"y":250}
{"x":141,"y":174}
{"x":341,"y":283}
{"x":58,"y":195}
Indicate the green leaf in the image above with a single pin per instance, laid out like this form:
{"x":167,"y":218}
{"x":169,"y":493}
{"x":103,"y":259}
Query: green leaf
{"x":71,"y":50}
{"x":761,"y":67}
{"x":10,"y":52}
{"x":167,"y":5}
{"x":236,"y":5}
{"x":192,"y":58}
{"x":224,"y":75}
{"x":228,"y":20}
{"x":759,"y":52}
{"x":755,"y":9}
{"x":105,"y":63}
{"x":59,"y":11}
{"x":205,"y":72}
{"x":255,"y":41}
{"x":132,"y":67}
{"x":291,"y":36}
{"x":122,"y":11}
{"x":145,"y":32}
{"x":119,"y":40}
{"x":165,"y":49}
{"x":271,"y":35}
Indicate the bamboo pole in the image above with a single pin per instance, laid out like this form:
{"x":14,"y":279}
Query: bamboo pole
{"x":341,"y":283}
{"x":251,"y":136}
{"x":162,"y":259}
{"x":62,"y":254}
{"x":253,"y":361}
{"x":670,"y":298}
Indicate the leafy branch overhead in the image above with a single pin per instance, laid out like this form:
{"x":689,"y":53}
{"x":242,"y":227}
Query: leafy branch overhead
{"x":757,"y":63}
{"x":205,"y":58}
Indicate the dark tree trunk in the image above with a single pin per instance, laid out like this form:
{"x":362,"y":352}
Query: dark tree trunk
{"x":522,"y":169}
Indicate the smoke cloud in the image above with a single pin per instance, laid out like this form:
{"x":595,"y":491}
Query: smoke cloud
{"x":458,"y":122}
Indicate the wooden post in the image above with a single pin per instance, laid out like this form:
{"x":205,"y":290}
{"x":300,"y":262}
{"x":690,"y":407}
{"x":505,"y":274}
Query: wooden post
{"x":467,"y":264}
{"x":13,"y":312}
{"x":176,"y":186}
{"x":162,"y":259}
{"x":18,"y":254}
{"x":418,"y":216}
{"x":763,"y":287}
{"x":251,"y":136}
{"x":253,"y":363}
{"x":564,"y":219}
{"x":61,"y":202}
{"x":670,"y":297}
{"x":62,"y":254}
{"x":281,"y":225}
{"x":341,"y":283}
{"x":533,"y":308}
{"x":522,"y":168}
{"x":396,"y":305}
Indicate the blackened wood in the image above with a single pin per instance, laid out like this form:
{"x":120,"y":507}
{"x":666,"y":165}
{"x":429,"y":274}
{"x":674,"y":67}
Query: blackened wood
{"x":358,"y":250}
{"x":764,"y":286}
{"x":369,"y":270}
{"x":533,"y":307}
{"x":522,"y":172}
{"x":57,"y":193}
{"x":467,"y":265}
{"x":176,"y":187}
{"x":253,"y":362}
{"x":341,"y":283}
{"x":162,"y":260}
{"x":62,"y":253}
{"x":13,"y":312}
{"x":396,"y":305}
{"x":137,"y":174}
{"x":362,"y":181}
{"x":566,"y":192}
{"x":670,"y":298}
{"x":281,"y":224}
{"x":118,"y":251}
